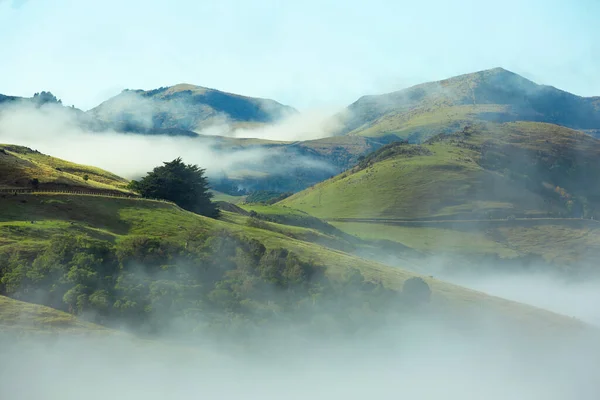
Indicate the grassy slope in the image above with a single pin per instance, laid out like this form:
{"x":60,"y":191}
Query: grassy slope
{"x":112,"y":219}
{"x":218,"y":196}
{"x":429,"y":240}
{"x":563,"y":244}
{"x":452,"y":183}
{"x":453,"y":179}
{"x":32,"y":318}
{"x":20,"y":164}
{"x":445,"y":183}
{"x":422,"y":124}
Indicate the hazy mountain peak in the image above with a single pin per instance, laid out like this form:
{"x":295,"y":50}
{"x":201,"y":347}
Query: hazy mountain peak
{"x":493,"y":95}
{"x":186,"y":107}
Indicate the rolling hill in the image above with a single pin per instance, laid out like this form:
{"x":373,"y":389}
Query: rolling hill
{"x":20,"y":166}
{"x":493,"y":172}
{"x":185,"y":108}
{"x":111,"y":220}
{"x":84,"y":231}
{"x":18,"y":317}
{"x":478,"y":171}
{"x":495,"y":95}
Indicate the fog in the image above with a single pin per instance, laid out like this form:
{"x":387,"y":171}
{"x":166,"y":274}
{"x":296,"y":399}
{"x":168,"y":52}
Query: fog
{"x":567,"y":290}
{"x":133,"y":109}
{"x":56,"y":131}
{"x":574,"y":298}
{"x":309,"y":125}
{"x":421,"y":359}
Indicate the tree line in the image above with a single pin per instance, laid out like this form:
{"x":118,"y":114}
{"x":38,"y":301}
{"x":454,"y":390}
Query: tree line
{"x":210,"y":283}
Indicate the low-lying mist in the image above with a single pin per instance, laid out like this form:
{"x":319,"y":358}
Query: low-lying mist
{"x":55,"y":130}
{"x":363,"y":341}
{"x":424,"y":358}
{"x":576,"y":299}
{"x":561,"y":290}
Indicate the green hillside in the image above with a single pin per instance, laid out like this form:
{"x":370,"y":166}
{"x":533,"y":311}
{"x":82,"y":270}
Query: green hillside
{"x":484,"y":173}
{"x":95,"y":225}
{"x":20,"y":317}
{"x":20,"y":165}
{"x":495,"y":95}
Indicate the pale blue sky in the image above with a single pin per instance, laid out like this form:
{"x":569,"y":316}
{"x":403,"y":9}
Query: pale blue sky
{"x":309,"y":53}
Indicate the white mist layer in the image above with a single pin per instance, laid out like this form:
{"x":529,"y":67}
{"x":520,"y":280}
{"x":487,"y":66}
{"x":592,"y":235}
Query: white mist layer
{"x":570,"y":298}
{"x":53,"y":130}
{"x":423,"y":360}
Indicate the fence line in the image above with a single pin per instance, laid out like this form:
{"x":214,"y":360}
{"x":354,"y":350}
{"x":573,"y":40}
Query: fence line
{"x":81,"y":193}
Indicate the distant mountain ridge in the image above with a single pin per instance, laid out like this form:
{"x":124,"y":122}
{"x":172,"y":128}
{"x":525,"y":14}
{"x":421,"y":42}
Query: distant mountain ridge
{"x":489,"y":97}
{"x":182,"y":110}
{"x":186,"y":107}
{"x":494,"y":95}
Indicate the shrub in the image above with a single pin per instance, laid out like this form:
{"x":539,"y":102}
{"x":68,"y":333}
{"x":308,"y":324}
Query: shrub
{"x":416,"y":290}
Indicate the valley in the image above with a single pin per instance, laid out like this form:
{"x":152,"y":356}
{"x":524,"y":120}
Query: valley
{"x":299,"y":200}
{"x":330,"y":238}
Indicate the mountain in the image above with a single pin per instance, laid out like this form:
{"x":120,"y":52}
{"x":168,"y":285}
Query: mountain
{"x":494,"y":95}
{"x":485,"y":168}
{"x":178,"y":110}
{"x":483,"y":172}
{"x":186,"y":107}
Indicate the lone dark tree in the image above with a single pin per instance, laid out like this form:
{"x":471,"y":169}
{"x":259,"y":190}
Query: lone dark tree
{"x":35,"y":182}
{"x":183,"y":184}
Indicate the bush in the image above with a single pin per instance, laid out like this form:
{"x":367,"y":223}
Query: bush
{"x":254,"y":222}
{"x":416,"y":290}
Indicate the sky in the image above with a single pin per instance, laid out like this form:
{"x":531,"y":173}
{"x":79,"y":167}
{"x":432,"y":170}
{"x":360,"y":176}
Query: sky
{"x":310,"y":54}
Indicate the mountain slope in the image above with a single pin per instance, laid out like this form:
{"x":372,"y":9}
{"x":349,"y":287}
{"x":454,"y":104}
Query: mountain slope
{"x":127,"y":220}
{"x":519,"y":188}
{"x":18,"y":316}
{"x":185,"y":107}
{"x":50,"y":227}
{"x":521,"y":168}
{"x":20,"y":165}
{"x":496,"y":95}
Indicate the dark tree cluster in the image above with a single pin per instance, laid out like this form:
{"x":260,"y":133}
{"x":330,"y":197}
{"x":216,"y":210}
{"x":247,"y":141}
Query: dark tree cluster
{"x":42,"y":98}
{"x":221,"y":280}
